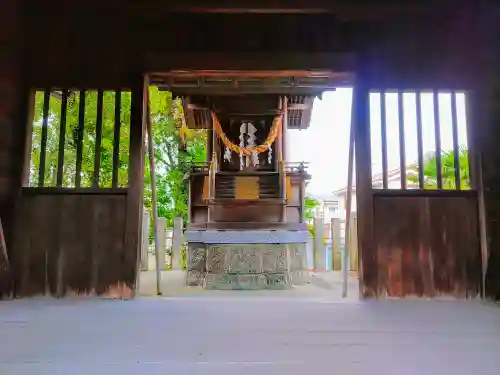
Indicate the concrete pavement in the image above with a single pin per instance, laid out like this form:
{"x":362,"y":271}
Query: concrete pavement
{"x":248,"y":335}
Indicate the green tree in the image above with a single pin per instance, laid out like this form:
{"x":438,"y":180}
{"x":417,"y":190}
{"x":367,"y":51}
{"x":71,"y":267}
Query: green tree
{"x":310,"y":206}
{"x":173,"y":160}
{"x":447,"y":168}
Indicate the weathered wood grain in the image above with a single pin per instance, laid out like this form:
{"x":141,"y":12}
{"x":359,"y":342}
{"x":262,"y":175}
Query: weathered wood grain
{"x":427,"y":246}
{"x":69,"y":244}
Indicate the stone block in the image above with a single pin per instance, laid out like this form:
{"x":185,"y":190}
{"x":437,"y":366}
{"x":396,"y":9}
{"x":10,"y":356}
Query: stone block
{"x":197,"y":257}
{"x":299,"y":277}
{"x":244,"y":259}
{"x":274,"y":259}
{"x":218,"y":281}
{"x":194,"y":278}
{"x":235,"y":282}
{"x":217,"y":259}
{"x":278,"y":281}
{"x":298,"y":257}
{"x":252,"y":282}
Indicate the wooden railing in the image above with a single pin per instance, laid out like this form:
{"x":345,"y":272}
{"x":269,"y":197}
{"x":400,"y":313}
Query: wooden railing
{"x":200,"y":167}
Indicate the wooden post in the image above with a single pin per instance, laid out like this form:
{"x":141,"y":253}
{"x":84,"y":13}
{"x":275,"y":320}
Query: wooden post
{"x":284,"y":128}
{"x":353,"y":249}
{"x":345,"y":263}
{"x":335,"y":235}
{"x":364,"y":193}
{"x":168,"y":243}
{"x":319,"y":247}
{"x":302,"y":199}
{"x":5,"y":274}
{"x":145,"y":241}
{"x":152,"y":173}
{"x":474,"y":121}
{"x":162,"y":242}
{"x":284,"y":125}
{"x":177,"y":243}
{"x":136,"y":185}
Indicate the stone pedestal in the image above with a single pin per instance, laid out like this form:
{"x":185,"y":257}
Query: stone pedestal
{"x":246,"y":266}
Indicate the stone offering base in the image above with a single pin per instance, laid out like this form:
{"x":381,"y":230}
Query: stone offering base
{"x":246,"y":266}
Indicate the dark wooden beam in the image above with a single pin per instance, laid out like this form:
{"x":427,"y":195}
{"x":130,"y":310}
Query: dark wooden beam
{"x":364,"y":8}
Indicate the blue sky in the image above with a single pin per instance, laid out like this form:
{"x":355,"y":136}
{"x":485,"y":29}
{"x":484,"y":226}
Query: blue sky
{"x":325,"y":144}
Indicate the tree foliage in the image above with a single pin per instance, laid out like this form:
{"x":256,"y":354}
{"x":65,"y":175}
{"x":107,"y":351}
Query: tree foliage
{"x":447,"y":168}
{"x":172,"y":160}
{"x":310,"y":206}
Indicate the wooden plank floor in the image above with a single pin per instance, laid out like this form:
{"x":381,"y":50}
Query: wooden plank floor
{"x":248,"y":335}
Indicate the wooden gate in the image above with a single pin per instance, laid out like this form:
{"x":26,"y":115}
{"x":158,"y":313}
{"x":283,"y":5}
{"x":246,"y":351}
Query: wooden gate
{"x":418,"y":220}
{"x":78,"y":216}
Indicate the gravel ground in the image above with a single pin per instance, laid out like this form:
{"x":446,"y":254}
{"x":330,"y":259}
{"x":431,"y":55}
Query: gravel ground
{"x":324,"y":285}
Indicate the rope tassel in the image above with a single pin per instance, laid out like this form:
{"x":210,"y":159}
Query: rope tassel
{"x":271,"y":137}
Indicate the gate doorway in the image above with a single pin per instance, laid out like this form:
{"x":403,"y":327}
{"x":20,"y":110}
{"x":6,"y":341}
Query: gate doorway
{"x":323,"y":284}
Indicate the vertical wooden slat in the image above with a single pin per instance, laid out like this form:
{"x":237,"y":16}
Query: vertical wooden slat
{"x":28,"y":118}
{"x":284,"y":129}
{"x":62,"y":138}
{"x":98,"y":139}
{"x":474,"y":138}
{"x":402,"y":141}
{"x":437,"y":136}
{"x":284,"y":153}
{"x":383,"y":135}
{"x":456,"y":150}
{"x":43,"y":142}
{"x":116,"y":138}
{"x":79,"y":140}
{"x":420,"y":146}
